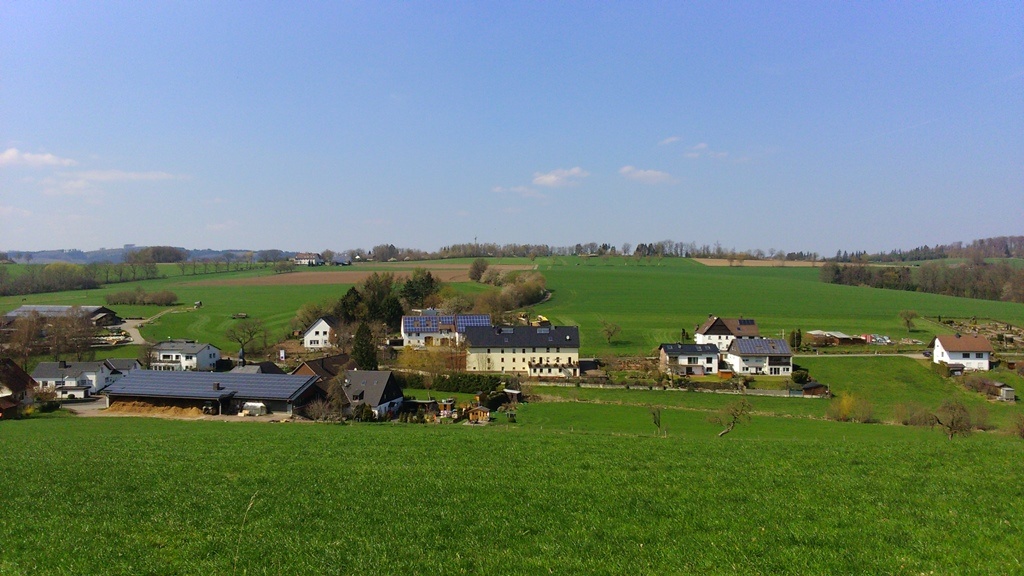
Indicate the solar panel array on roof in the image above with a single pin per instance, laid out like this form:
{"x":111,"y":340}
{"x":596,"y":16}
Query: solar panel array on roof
{"x":434,"y":323}
{"x":171,"y":384}
{"x":760,"y":346}
{"x":746,"y":322}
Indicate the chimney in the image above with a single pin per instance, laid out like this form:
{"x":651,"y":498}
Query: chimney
{"x":62,"y":364}
{"x":217,"y":386}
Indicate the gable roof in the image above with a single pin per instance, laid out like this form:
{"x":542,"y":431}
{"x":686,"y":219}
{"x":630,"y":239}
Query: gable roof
{"x":183,"y":346}
{"x":738,"y":327}
{"x":433,"y":322}
{"x":960,"y":343}
{"x":679,"y":349}
{"x":14,"y":378}
{"x":123,"y":364}
{"x":759,"y":347}
{"x":200,"y":385}
{"x":52,"y":310}
{"x":61,"y":370}
{"x":331,"y":322}
{"x":266,"y":367}
{"x":373,"y":387}
{"x":327,"y":367}
{"x":523,"y":336}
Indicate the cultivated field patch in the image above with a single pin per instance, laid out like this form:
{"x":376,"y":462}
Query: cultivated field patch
{"x":444,"y":272}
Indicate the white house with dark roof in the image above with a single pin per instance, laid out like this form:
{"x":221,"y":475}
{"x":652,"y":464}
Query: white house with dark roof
{"x":688,"y":359}
{"x":319,"y":333}
{"x":536,"y":351}
{"x":722,"y":331}
{"x":439,"y":329}
{"x":962,"y":353}
{"x":76,"y":379}
{"x":770,"y":356}
{"x":308,"y":259}
{"x":183,"y":355}
{"x":377,"y":389}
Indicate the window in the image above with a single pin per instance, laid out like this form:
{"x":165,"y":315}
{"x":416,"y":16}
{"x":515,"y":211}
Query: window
{"x":692,"y":360}
{"x":502,"y":359}
{"x":708,"y":359}
{"x":534,"y":349}
{"x":547,"y":349}
{"x":979,"y":355}
{"x":524,"y":350}
{"x":488,"y":350}
{"x":967,"y":355}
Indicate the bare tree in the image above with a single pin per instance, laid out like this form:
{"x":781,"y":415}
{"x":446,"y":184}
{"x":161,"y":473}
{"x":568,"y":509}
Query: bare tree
{"x":656,"y":417}
{"x":908,"y":316}
{"x":732,"y":414}
{"x":610,"y":330}
{"x":954,"y":418}
{"x":26,"y":337}
{"x":245,"y":331}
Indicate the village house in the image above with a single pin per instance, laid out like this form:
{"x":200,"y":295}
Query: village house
{"x":377,"y":389}
{"x":319,"y":333}
{"x":218,"y":392}
{"x":308,"y":259}
{"x":183,"y":355}
{"x":770,"y":356}
{"x":326,"y":368}
{"x":71,"y":380}
{"x":535,"y":351}
{"x":722,"y":331}
{"x":433,"y":329}
{"x":961,"y":353}
{"x":688,"y":359}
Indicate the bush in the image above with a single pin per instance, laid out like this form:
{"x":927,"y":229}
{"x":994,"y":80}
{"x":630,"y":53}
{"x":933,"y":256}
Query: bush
{"x":848,"y":408}
{"x":941,"y":369}
{"x":141,"y":297}
{"x":468,"y":383}
{"x":912,"y":414}
{"x":801,"y":376}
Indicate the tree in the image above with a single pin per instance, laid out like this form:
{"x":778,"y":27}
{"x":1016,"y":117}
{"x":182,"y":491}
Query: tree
{"x":336,"y":398}
{"x":732,"y":414}
{"x":954,"y":418}
{"x":71,"y":332}
{"x":656,"y":418}
{"x":245,"y":331}
{"x":908,"y":316}
{"x":477,"y":269}
{"x":26,"y":337}
{"x":610,"y":330}
{"x":363,"y":350}
{"x":328,"y":256}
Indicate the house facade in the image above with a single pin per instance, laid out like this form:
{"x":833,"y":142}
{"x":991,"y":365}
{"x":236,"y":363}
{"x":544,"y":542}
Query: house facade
{"x":722,"y":331}
{"x":377,"y":389}
{"x":968,"y":353}
{"x":71,"y":380}
{"x":439,"y":329}
{"x":536,"y":351}
{"x":688,"y":359}
{"x":769,"y":356}
{"x":308,"y":259}
{"x":319,"y":333}
{"x":178,"y":355}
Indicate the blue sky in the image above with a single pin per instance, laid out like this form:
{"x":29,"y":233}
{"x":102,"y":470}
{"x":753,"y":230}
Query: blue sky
{"x":810,"y":126}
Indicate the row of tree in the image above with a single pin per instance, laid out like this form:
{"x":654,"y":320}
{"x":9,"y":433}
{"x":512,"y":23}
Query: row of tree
{"x":977,"y":250}
{"x":72,"y":333}
{"x":997,"y":281}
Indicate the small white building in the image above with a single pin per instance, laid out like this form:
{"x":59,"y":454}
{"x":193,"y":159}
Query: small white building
{"x":184,"y":355}
{"x":769,"y":356}
{"x":688,"y":359}
{"x":320,"y":333}
{"x":308,"y":259}
{"x":963,"y":353}
{"x":722,"y":331}
{"x":72,"y":380}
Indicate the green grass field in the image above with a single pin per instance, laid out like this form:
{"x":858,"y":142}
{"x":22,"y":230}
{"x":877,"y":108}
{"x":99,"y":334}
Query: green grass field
{"x":778,"y":496}
{"x":651,"y":301}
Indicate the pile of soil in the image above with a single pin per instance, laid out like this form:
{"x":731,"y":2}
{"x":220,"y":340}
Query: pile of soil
{"x":135,"y":407}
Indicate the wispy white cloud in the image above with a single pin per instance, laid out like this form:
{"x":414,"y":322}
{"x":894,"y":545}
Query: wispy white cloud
{"x":86,"y":182}
{"x":702,"y":150}
{"x":15,"y":157}
{"x":646,"y":176}
{"x":524,"y":191}
{"x":222,"y":226}
{"x":13,"y":212}
{"x":560,"y":177}
{"x":669,"y":140}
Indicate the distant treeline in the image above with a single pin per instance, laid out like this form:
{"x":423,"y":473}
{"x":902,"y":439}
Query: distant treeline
{"x":977,"y":251}
{"x":140,"y":296}
{"x":971,"y":280}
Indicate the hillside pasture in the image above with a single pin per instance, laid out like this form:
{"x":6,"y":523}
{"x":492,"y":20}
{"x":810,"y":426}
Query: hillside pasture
{"x":775,"y":497}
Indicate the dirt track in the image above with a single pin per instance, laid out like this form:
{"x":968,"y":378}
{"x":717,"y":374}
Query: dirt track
{"x":443,"y":272}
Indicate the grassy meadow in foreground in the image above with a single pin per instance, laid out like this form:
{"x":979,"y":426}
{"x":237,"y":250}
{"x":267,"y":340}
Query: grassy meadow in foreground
{"x":778,"y":496}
